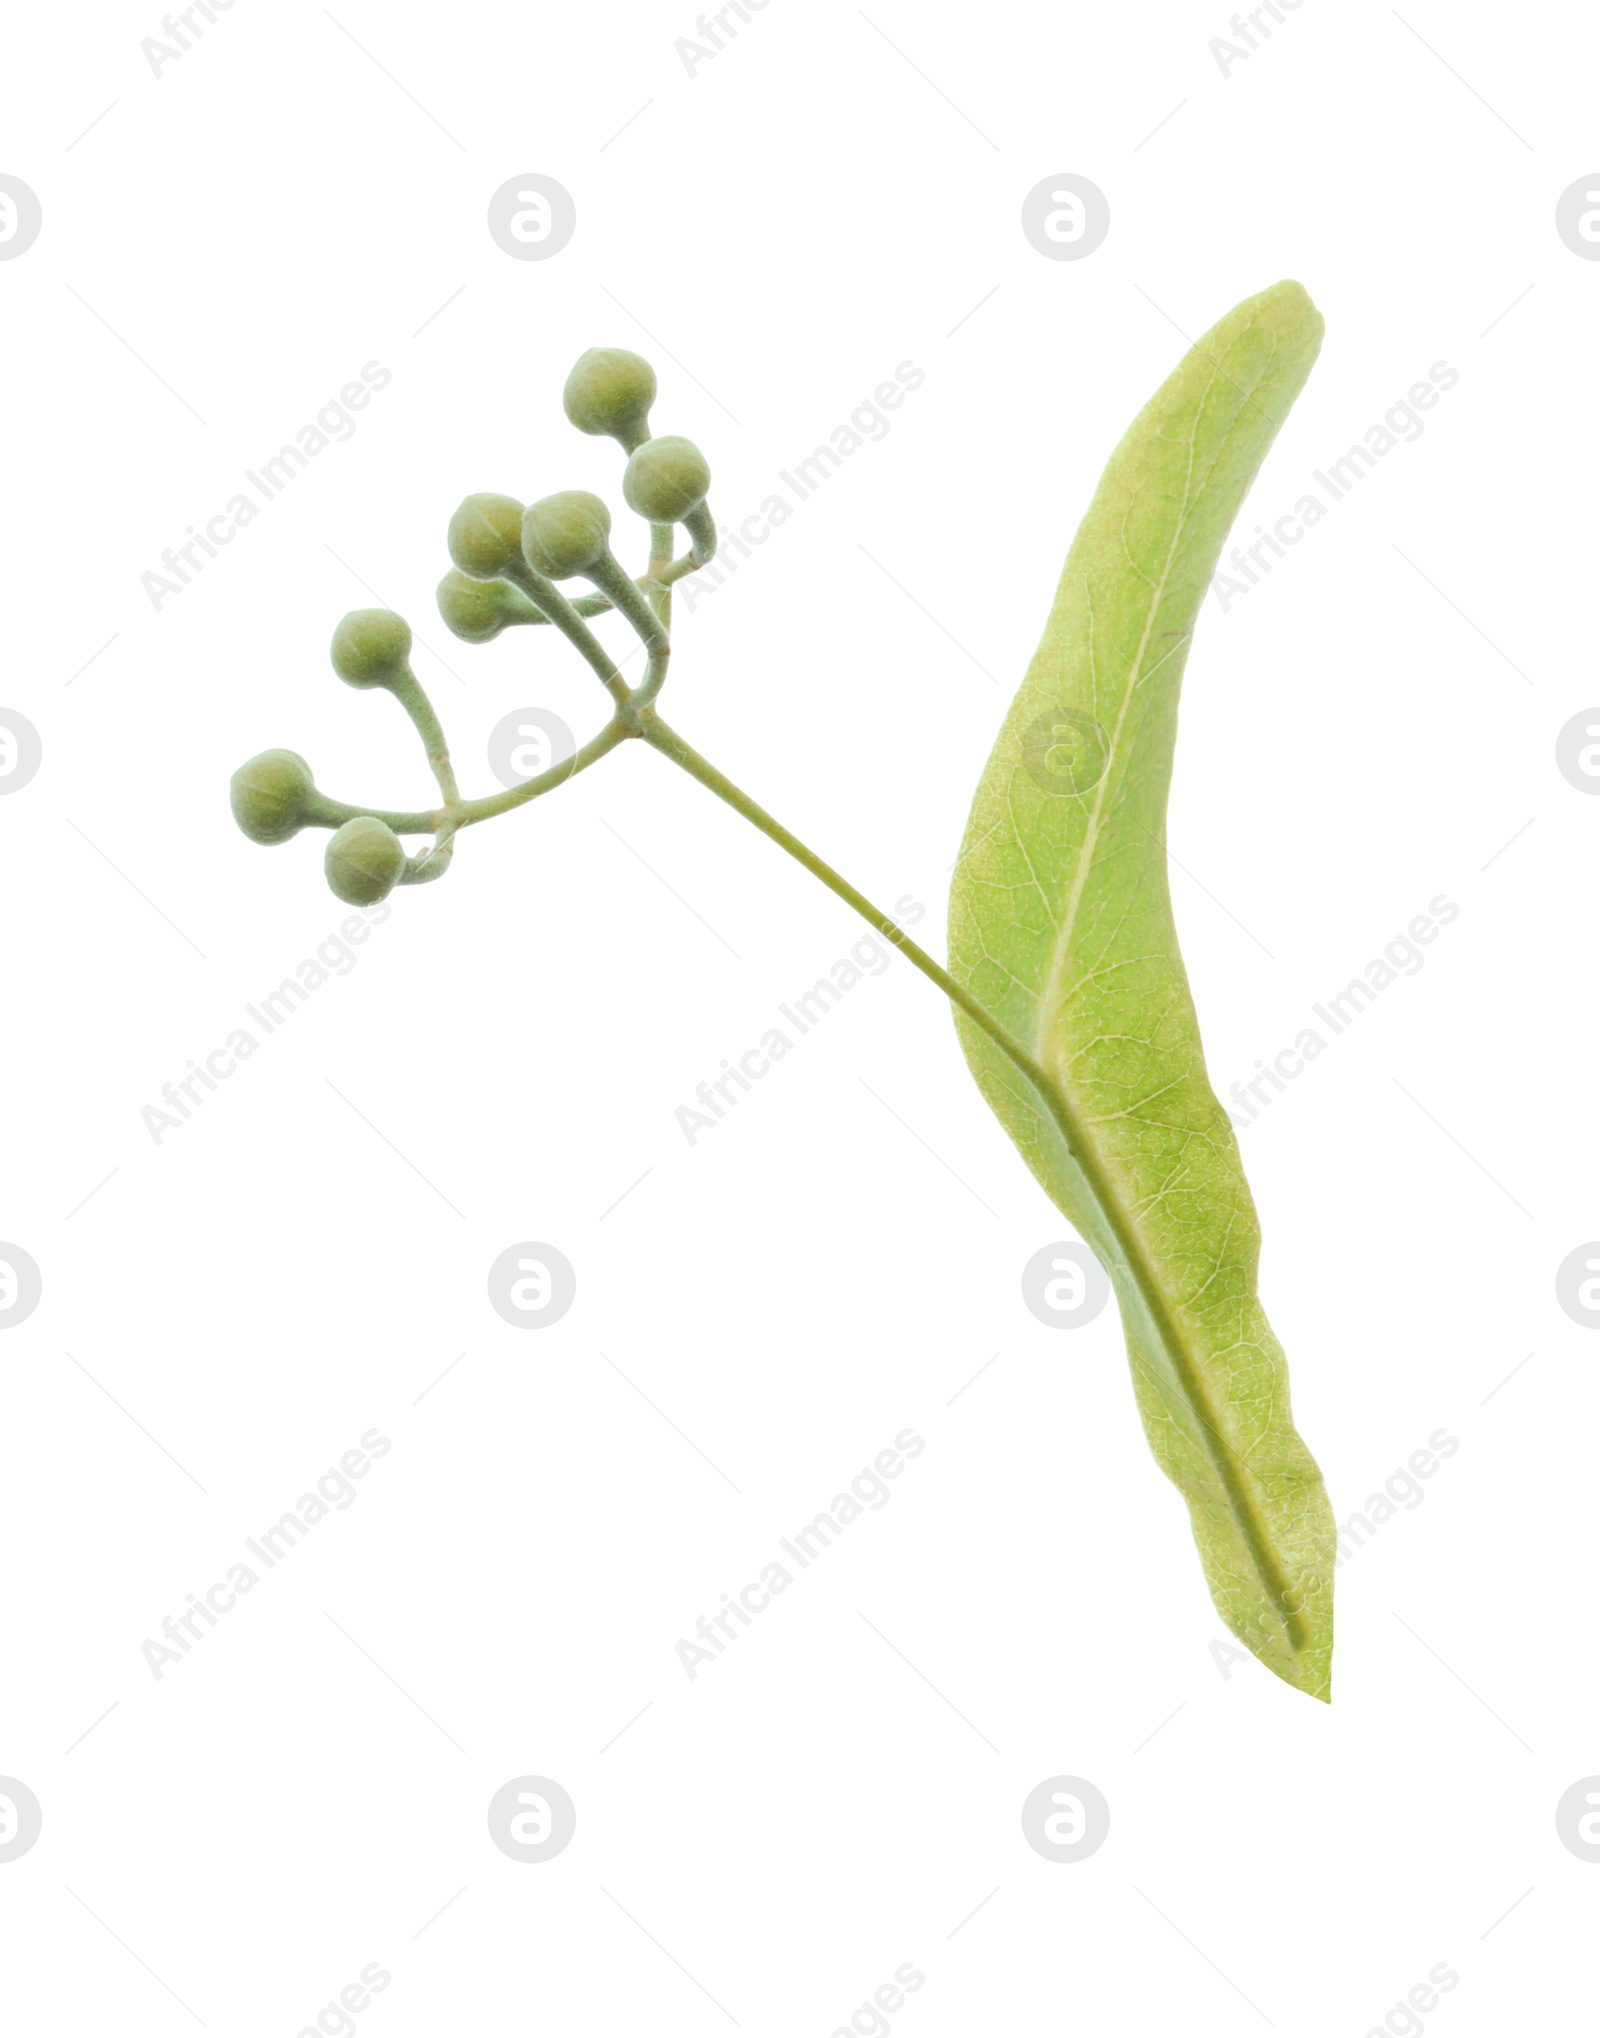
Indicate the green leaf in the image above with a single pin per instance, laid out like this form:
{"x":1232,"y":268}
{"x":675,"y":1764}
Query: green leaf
{"x":1061,"y":928}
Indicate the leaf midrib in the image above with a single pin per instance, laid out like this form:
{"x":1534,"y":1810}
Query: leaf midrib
{"x":1223,"y":1458}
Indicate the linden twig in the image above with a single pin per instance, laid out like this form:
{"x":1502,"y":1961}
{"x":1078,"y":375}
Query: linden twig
{"x":615,"y":731}
{"x":1260,"y":1515}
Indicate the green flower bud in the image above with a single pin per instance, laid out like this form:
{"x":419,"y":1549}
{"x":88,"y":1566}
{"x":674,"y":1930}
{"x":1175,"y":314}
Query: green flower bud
{"x":363,"y":861}
{"x":486,"y":536}
{"x":271,"y":796}
{"x":480,"y":609}
{"x":611,"y":391}
{"x":370,"y":647}
{"x":566,"y":534}
{"x":666,"y":480}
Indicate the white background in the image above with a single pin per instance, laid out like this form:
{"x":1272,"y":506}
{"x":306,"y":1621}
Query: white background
{"x":840,"y":1792}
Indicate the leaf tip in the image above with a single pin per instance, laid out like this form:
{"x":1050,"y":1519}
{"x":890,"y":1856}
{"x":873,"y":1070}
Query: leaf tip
{"x":1290,"y":305}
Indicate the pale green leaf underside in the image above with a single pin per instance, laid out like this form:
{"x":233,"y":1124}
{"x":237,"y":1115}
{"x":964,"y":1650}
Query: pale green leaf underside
{"x":1061,"y":926}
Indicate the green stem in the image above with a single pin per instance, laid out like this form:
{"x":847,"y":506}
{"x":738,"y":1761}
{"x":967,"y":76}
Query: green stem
{"x":657,"y":585}
{"x":582,"y":605}
{"x":325,"y":813}
{"x":702,"y":531}
{"x":445,"y":821}
{"x":424,"y":869}
{"x":631,"y":602}
{"x":675,"y":569}
{"x":661,"y":573}
{"x":544,"y":594}
{"x":655,"y":677}
{"x":667,"y":740}
{"x":664,"y":571}
{"x":409,"y":693}
{"x":469,"y":811}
